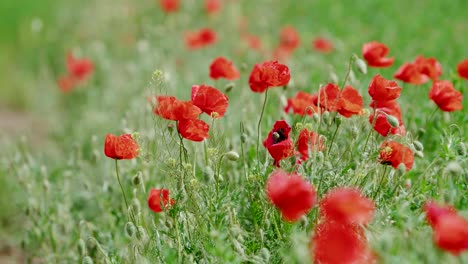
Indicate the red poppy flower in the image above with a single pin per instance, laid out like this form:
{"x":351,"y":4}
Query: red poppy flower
{"x":374,"y":53}
{"x":293,"y":195}
{"x":79,"y":69}
{"x":462,"y":69}
{"x":209,"y":100}
{"x":223,"y":68}
{"x":212,"y":6}
{"x":253,"y":41}
{"x":66,"y":83}
{"x":450,"y":229}
{"x":194,"y":130}
{"x":278,"y":143}
{"x":200,"y":39}
{"x":120,"y":147}
{"x":420,"y":71}
{"x":381,"y":124}
{"x":381,"y":89}
{"x":328,"y":97}
{"x":302,"y":104}
{"x":169,"y":107}
{"x":429,"y":67}
{"x":268,"y":74}
{"x":158,"y":200}
{"x":308,"y":140}
{"x":350,"y":102}
{"x":347,"y":205}
{"x":322,"y":45}
{"x":338,"y":243}
{"x":169,"y":6}
{"x":445,"y":96}
{"x":393,"y":153}
{"x":289,"y":38}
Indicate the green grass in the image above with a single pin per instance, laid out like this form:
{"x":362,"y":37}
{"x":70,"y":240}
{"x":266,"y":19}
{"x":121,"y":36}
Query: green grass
{"x":65,"y":188}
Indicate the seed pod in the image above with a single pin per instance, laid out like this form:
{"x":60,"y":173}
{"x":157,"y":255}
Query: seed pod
{"x":136,"y":180}
{"x":360,"y":65}
{"x":229,"y":87}
{"x":243,"y":137}
{"x":232,"y":155}
{"x":326,"y":117}
{"x":393,"y":121}
{"x":130,"y":229}
{"x":418,"y":145}
{"x":316,"y":117}
{"x":338,"y":119}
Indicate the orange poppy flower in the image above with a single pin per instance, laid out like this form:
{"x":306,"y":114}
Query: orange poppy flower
{"x":79,"y":69}
{"x":302,"y":104}
{"x":169,"y":6}
{"x":268,"y":74}
{"x":210,"y":100}
{"x":308,"y":140}
{"x":223,"y":68}
{"x":194,"y":130}
{"x":278,"y":143}
{"x":322,"y":45}
{"x":200,"y":39}
{"x":445,"y":96}
{"x":381,"y":89}
{"x":462,"y":69}
{"x":158,"y":200}
{"x":350,"y":102}
{"x":291,"y":194}
{"x":120,"y":147}
{"x":169,"y":107}
{"x":375,"y":54}
{"x":393,"y":153}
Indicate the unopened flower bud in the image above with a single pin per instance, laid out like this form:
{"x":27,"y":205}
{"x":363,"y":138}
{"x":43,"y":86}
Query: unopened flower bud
{"x":136,"y":206}
{"x":393,"y":121}
{"x":326,"y":117}
{"x":360,"y":65}
{"x":87,"y":260}
{"x":229,"y":87}
{"x":453,"y":168}
{"x":136,"y":180}
{"x":401,"y":169}
{"x":130,"y":229}
{"x":418,"y":145}
{"x":243,"y":137}
{"x":316,"y":117}
{"x":419,"y":154}
{"x":232,"y":155}
{"x":461,"y":149}
{"x":338,"y":119}
{"x":81,"y":247}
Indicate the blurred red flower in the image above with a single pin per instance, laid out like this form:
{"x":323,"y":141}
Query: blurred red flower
{"x":169,"y":6}
{"x":429,"y":67}
{"x":212,"y":6}
{"x":200,"y":39}
{"x":381,"y":89}
{"x":322,"y":45}
{"x":289,"y":38}
{"x":445,"y":96}
{"x":120,"y":147}
{"x":347,"y":206}
{"x":268,"y":74}
{"x":374,"y":53}
{"x":79,"y":69}
{"x":169,"y":107}
{"x":308,"y":140}
{"x":223,"y":68}
{"x":380,"y":111}
{"x":302,"y":104}
{"x":393,"y":153}
{"x":66,"y":83}
{"x":420,"y":71}
{"x":278,"y":143}
{"x":194,"y":130}
{"x":210,"y":100}
{"x":291,"y":194}
{"x":350,"y":102}
{"x":450,"y":228}
{"x":462,"y":69}
{"x":158,"y":200}
{"x":253,"y":41}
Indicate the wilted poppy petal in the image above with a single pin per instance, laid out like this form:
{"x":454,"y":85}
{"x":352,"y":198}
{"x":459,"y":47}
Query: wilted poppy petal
{"x":194,"y":130}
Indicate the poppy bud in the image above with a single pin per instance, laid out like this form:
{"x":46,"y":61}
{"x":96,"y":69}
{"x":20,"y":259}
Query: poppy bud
{"x":393,"y":121}
{"x":130,"y":229}
{"x":87,"y":260}
{"x":419,"y":154}
{"x":316,"y":117}
{"x":141,"y":234}
{"x":326,"y":117}
{"x":136,"y":180}
{"x":461,"y":149}
{"x":401,"y":169}
{"x":232,"y":155}
{"x":338,"y":119}
{"x":360,"y":65}
{"x":136,"y":205}
{"x":229,"y":87}
{"x":453,"y":168}
{"x":418,"y":145}
{"x":81,"y":247}
{"x":243,"y":137}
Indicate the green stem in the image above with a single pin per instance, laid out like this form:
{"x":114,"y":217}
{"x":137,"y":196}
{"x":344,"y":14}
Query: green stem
{"x":374,"y":119}
{"x":350,"y":66}
{"x":259,"y":125}
{"x":120,"y":183}
{"x":380,"y":183}
{"x":333,"y":139}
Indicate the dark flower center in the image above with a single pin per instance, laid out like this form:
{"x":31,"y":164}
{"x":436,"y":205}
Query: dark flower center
{"x":278,"y":136}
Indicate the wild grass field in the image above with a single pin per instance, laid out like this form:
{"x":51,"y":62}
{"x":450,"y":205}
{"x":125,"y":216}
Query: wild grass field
{"x":383,"y":178}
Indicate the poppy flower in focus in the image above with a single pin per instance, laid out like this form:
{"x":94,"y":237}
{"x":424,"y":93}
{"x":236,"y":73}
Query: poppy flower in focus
{"x":350,"y":102}
{"x":194,"y":130}
{"x":169,"y":107}
{"x":223,"y":68}
{"x":450,"y":228}
{"x":374,"y":53}
{"x":120,"y":147}
{"x":339,"y":243}
{"x":289,"y":38}
{"x":322,"y":45}
{"x":278,"y":143}
{"x":381,"y":89}
{"x":445,"y":96}
{"x":212,"y":6}
{"x":393,"y":153}
{"x":200,"y":39}
{"x":159,"y":200}
{"x":308,"y":140}
{"x":347,"y":205}
{"x":302,"y":104}
{"x":420,"y":71}
{"x":210,"y":100}
{"x":268,"y":74}
{"x":382,"y":125}
{"x":169,"y":6}
{"x":328,"y":97}
{"x":291,"y":194}
{"x":79,"y":69}
{"x":66,"y":83}
{"x":462,"y":69}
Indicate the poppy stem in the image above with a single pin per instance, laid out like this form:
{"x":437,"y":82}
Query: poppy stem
{"x":380,"y":183}
{"x":333,"y":139}
{"x":370,"y":131}
{"x":350,"y":66}
{"x":120,"y":183}
{"x":258,"y":127}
